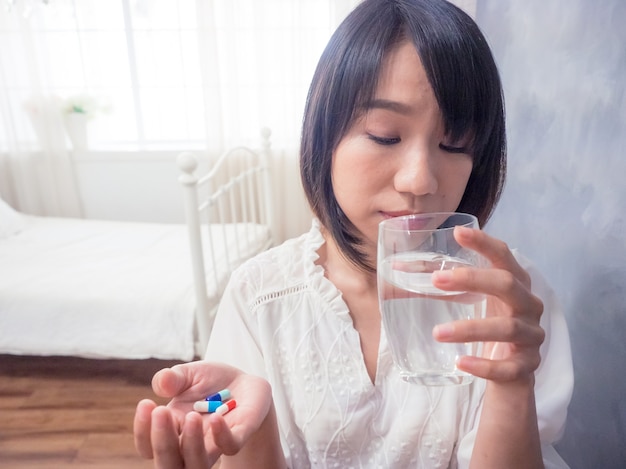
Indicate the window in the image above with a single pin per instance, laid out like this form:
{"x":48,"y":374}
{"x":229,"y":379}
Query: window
{"x":164,"y":73}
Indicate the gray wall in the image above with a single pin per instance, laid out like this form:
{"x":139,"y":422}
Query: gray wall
{"x":563,"y":65}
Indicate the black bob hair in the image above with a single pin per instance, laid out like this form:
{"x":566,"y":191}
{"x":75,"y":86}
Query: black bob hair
{"x":462,"y":72}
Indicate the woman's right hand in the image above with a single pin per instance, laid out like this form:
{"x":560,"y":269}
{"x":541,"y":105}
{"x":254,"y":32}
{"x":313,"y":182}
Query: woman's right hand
{"x":176,"y":436}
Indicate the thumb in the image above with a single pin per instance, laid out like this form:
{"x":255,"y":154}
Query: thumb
{"x":169,"y":382}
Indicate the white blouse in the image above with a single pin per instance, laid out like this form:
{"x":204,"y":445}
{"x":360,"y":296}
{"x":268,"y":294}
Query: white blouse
{"x":282,"y":319}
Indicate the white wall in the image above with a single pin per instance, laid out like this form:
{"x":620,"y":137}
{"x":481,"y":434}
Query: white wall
{"x":563,"y":65}
{"x":130,"y":186}
{"x":143,"y":186}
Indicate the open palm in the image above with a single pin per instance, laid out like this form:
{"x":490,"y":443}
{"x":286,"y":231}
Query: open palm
{"x":176,"y":436}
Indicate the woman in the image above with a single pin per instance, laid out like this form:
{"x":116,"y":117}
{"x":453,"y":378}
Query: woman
{"x":404,"y":115}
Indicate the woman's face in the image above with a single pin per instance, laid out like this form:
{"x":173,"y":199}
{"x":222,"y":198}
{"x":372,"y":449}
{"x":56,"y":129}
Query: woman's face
{"x":396,"y":159}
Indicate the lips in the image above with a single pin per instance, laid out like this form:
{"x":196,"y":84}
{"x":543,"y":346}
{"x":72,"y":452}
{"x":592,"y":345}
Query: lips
{"x":423,"y":222}
{"x":397,"y":214}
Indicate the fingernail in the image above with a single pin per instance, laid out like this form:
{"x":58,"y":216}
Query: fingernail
{"x":443,"y":331}
{"x":463,"y":230}
{"x":442,"y":276}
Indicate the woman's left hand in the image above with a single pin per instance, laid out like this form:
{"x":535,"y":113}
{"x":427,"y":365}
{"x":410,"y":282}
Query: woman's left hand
{"x":510,"y":331}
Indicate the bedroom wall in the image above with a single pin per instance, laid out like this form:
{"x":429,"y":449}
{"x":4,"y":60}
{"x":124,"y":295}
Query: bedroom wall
{"x":130,"y":186}
{"x":563,"y":64}
{"x":143,"y":186}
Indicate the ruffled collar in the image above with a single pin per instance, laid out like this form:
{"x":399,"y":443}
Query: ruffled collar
{"x":316,"y":275}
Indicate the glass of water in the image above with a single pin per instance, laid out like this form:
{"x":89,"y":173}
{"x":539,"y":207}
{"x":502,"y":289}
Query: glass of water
{"x":410,"y":249}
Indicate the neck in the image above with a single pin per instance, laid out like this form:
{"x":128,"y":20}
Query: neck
{"x":340,"y":270}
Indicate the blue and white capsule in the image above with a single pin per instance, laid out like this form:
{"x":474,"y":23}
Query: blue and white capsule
{"x":223,"y":396}
{"x":207,"y":406}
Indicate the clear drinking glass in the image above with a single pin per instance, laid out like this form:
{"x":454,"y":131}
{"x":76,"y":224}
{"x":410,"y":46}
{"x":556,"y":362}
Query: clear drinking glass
{"x":410,"y":249}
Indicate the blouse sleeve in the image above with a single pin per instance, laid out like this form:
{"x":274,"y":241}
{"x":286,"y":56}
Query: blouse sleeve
{"x":554,"y":379}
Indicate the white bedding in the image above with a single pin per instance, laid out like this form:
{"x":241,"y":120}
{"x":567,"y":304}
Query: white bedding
{"x":103,"y":289}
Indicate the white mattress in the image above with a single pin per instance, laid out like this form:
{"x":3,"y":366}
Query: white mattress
{"x":104,"y":289}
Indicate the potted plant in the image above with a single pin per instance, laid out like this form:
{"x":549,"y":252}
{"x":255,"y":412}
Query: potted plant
{"x":77,"y":111}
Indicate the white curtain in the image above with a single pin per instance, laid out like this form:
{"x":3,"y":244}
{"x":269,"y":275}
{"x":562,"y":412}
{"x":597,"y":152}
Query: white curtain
{"x":150,"y":75}
{"x":261,"y":56}
{"x":36,"y":171}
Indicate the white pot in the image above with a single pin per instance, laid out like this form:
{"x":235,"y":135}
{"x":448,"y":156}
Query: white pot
{"x":76,"y":127}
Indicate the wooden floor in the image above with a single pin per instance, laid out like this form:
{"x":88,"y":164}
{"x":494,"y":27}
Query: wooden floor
{"x":69,"y":412}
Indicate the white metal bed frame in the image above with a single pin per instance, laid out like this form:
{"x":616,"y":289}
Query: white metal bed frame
{"x":237,"y":189}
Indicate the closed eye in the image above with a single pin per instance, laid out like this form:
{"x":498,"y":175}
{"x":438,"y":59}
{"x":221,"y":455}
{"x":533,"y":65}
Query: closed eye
{"x":384,"y":140}
{"x":451,"y":149}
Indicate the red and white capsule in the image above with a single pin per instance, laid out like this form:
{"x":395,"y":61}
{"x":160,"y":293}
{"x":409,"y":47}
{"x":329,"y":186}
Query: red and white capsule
{"x":226,"y":407}
{"x":214,"y":406}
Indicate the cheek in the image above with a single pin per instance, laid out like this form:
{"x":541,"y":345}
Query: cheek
{"x":461,"y":180}
{"x":348,"y":167}
{"x":356,"y":181}
{"x":464,"y":172}
{"x":345,"y":187}
{"x":458,"y":183}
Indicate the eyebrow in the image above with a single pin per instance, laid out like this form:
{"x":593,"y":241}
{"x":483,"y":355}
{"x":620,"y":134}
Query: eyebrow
{"x":389,"y":105}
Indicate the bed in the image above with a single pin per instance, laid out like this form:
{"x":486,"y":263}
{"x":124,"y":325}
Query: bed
{"x":116,"y":289}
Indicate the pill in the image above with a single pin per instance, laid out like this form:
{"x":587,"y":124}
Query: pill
{"x":207,"y":406}
{"x":225,"y":407}
{"x":223,"y":395}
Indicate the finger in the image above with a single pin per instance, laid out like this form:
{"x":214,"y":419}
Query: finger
{"x":164,"y":438}
{"x":223,"y":436}
{"x":493,"y":249}
{"x":499,"y":370}
{"x":141,"y":427}
{"x":493,"y":329}
{"x":495,"y":282}
{"x":170,"y":382}
{"x":192,"y":443}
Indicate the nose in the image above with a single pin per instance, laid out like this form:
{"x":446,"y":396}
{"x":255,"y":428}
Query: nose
{"x":416,"y":173}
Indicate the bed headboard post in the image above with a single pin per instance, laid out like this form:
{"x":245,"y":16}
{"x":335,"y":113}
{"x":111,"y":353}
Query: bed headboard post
{"x":188,"y":163}
{"x":266,"y":133}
